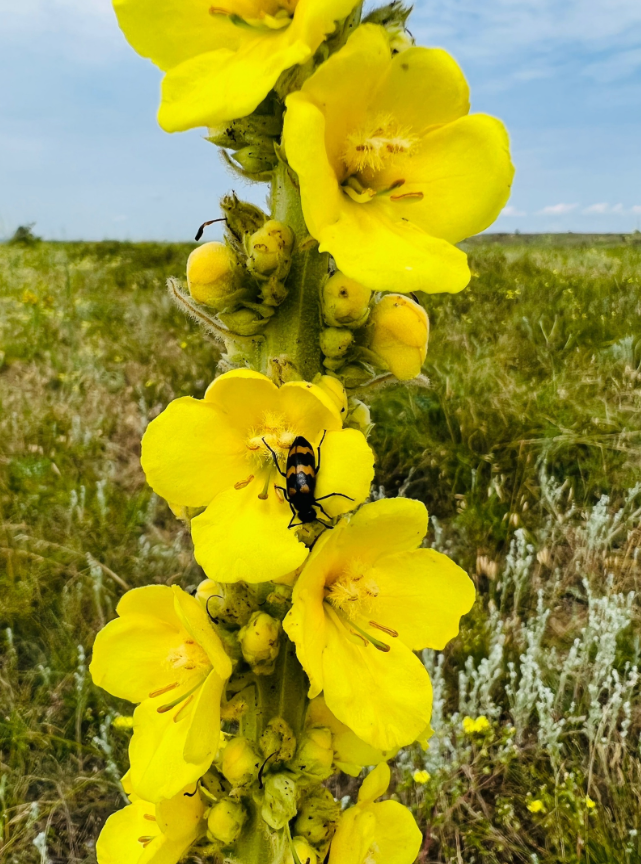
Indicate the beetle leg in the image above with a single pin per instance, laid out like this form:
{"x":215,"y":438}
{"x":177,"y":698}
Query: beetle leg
{"x":320,"y":507}
{"x":333,"y":495}
{"x":275,"y":458}
{"x":319,"y":448}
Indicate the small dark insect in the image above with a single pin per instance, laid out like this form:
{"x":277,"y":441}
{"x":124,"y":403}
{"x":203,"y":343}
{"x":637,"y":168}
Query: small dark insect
{"x":199,"y":233}
{"x":300,"y":475}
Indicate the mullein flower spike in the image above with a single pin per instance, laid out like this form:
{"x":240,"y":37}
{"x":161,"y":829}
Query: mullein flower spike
{"x":296,"y":658}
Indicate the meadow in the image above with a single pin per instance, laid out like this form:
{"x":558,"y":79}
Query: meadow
{"x":525,"y":445}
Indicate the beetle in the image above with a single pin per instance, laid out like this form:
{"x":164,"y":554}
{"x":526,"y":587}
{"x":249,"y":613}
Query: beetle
{"x":301,"y":470}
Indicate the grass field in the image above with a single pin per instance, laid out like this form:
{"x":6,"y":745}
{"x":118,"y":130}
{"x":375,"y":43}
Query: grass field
{"x":526,"y":448}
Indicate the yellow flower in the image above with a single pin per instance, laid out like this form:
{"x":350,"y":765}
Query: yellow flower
{"x":421,"y":777}
{"x":146,"y":833}
{"x":536,"y":806}
{"x":376,"y":833}
{"x":163,"y":653}
{"x":222,"y":59}
{"x":365,"y":601}
{"x":589,"y":803}
{"x":351,"y":754}
{"x":475,"y":727}
{"x":393,"y":171}
{"x":213,"y":453}
{"x":399,"y":334}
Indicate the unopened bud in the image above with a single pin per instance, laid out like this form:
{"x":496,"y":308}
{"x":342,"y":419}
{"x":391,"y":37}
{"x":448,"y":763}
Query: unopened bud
{"x":259,"y":642}
{"x":315,"y":755}
{"x":244,"y":322}
{"x":279,"y":800}
{"x":241,"y":762}
{"x":345,"y":302}
{"x":399,"y":335}
{"x":335,"y":390}
{"x":227,"y":603}
{"x":317,"y":817}
{"x":257,"y":158}
{"x":246,"y":130}
{"x":225,"y":821}
{"x":273,"y":291}
{"x":277,"y":742}
{"x":241,"y":217}
{"x":269,"y":249}
{"x":304,"y":852}
{"x":335,"y":342}
{"x":354,"y":375}
{"x":279,"y":601}
{"x":212,"y":275}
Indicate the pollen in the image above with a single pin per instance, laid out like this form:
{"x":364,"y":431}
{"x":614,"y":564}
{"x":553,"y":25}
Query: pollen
{"x":353,"y":591}
{"x":187,"y":658}
{"x":371,"y":147}
{"x":273,"y":435}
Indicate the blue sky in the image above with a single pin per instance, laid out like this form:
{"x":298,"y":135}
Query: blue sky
{"x":82,"y":156}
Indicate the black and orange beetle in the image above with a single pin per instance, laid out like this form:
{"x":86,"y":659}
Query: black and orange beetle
{"x":300,"y":475}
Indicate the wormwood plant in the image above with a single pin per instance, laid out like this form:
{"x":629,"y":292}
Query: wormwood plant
{"x":295,"y":658}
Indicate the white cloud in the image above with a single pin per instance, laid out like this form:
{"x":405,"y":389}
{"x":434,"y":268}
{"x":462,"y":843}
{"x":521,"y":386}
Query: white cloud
{"x":597,"y":209}
{"x":557,"y":209}
{"x":604,"y":209}
{"x":512,"y":211}
{"x":636,"y":209}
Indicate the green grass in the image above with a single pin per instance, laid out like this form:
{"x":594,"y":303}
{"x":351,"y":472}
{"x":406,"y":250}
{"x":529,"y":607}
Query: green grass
{"x":537,"y":364}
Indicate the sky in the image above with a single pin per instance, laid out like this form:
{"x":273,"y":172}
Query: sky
{"x":81,"y":154}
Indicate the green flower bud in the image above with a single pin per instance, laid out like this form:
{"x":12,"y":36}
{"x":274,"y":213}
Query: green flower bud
{"x":246,"y":130}
{"x":359,"y":416}
{"x":317,"y":817}
{"x":257,"y":158}
{"x":335,"y":342}
{"x":227,"y":603}
{"x":241,"y":762}
{"x":211,"y":786}
{"x":355,"y":375}
{"x":244,"y":322}
{"x":242,"y":219}
{"x":314,"y":757}
{"x":279,"y":800}
{"x":345,"y":302}
{"x":273,"y":291}
{"x":212,"y":275}
{"x":259,"y":642}
{"x":269,"y":249}
{"x":278,"y":602}
{"x":225,"y":821}
{"x":304,"y":852}
{"x":277,"y":743}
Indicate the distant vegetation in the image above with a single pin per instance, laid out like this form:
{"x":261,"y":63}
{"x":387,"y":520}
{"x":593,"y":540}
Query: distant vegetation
{"x":526,"y":448}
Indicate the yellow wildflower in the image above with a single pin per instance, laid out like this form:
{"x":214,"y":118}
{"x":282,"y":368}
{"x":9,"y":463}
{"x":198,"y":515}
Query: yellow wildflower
{"x":392,"y":169}
{"x":121,"y":722}
{"x":221,"y":61}
{"x":400,"y":329}
{"x":215,"y":453}
{"x":376,"y":833}
{"x":536,"y":806}
{"x":421,"y":777}
{"x":163,"y":653}
{"x":589,"y":803}
{"x":147,"y":833}
{"x":365,"y":601}
{"x":475,"y":727}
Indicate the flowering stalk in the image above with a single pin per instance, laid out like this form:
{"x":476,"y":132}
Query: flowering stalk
{"x":296,"y":657}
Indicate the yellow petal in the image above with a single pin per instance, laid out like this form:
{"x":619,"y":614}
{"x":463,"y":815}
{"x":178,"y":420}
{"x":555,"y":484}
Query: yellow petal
{"x":388,"y":255}
{"x":156,"y":601}
{"x":129,"y":656}
{"x":354,"y":837}
{"x":241,"y":538}
{"x":118,"y":841}
{"x":422,"y":595}
{"x":386,"y":698}
{"x":383,"y":527}
{"x":375,"y":784}
{"x":243,"y":397}
{"x":201,"y":743}
{"x":195,"y":621}
{"x":159,"y":768}
{"x":347,"y":466}
{"x":351,"y":754}
{"x":423,"y":87}
{"x":309,"y":409}
{"x":397,"y":837}
{"x":179,"y":818}
{"x":171,"y":31}
{"x":190,"y":454}
{"x":465,"y":173}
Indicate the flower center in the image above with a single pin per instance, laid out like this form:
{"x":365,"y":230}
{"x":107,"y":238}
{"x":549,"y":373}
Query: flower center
{"x":370,"y":148}
{"x":258,"y":14}
{"x":187,"y":658}
{"x":353,"y":591}
{"x":273,"y":432}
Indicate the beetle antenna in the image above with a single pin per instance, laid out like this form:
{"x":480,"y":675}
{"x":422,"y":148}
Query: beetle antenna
{"x":199,"y":233}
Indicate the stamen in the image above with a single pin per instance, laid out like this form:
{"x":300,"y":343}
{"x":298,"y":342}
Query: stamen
{"x":417,"y":195}
{"x":387,"y":630}
{"x":149,"y":817}
{"x":264,"y":495}
{"x":218,"y":10}
{"x":182,"y":708}
{"x":163,"y":690}
{"x":145,"y":840}
{"x":242,"y":483}
{"x":279,"y":493}
{"x":164,"y":708}
{"x":381,"y":646}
